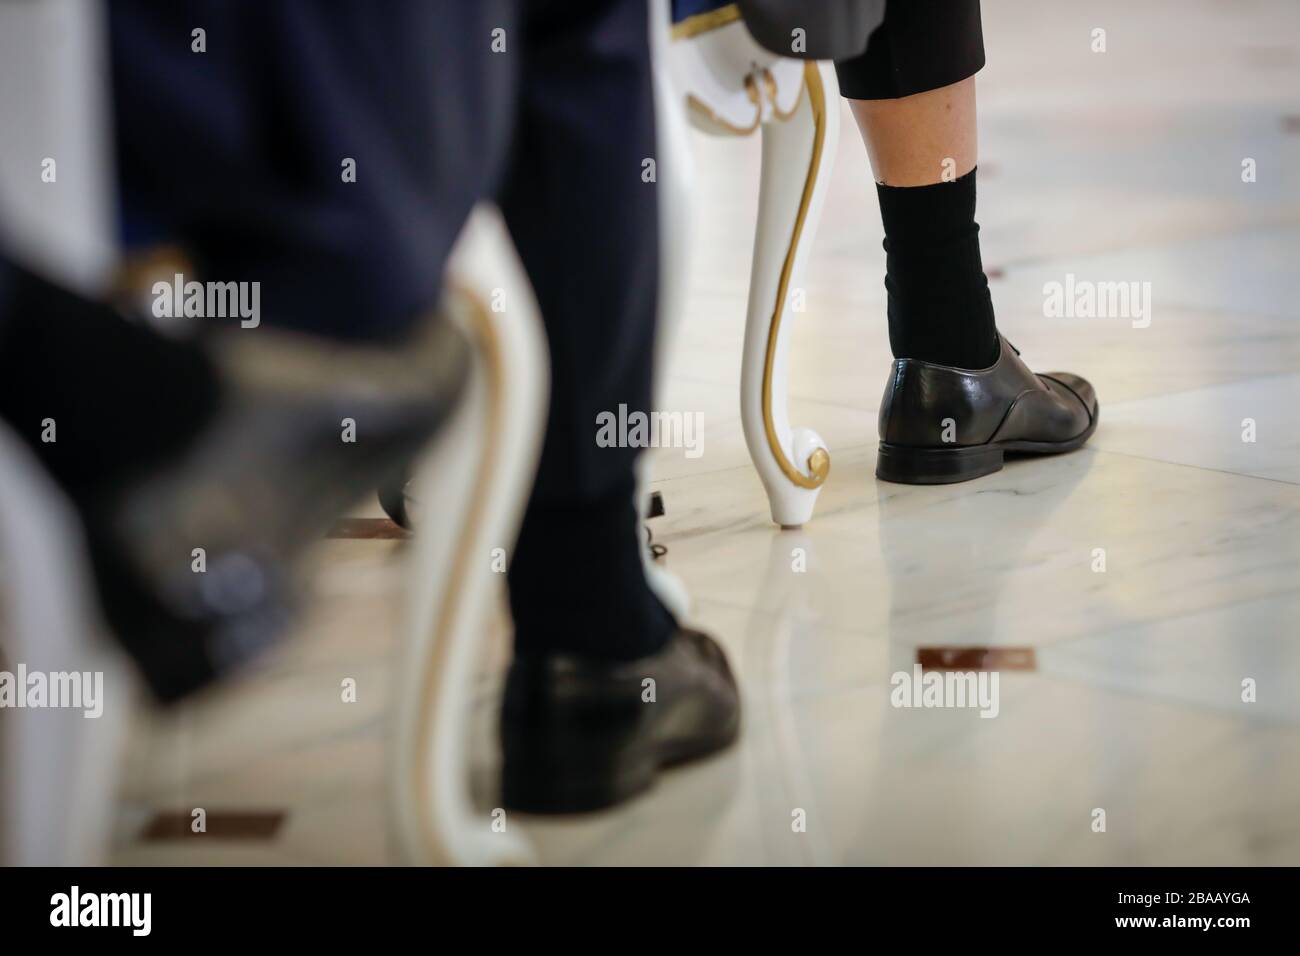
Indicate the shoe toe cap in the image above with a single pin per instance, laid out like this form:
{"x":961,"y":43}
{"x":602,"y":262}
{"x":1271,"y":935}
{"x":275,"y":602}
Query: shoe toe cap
{"x":1080,"y":386}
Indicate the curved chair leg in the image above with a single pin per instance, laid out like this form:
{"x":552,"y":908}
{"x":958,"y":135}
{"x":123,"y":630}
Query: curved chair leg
{"x":478,"y":478}
{"x":58,"y":779}
{"x":798,"y":151}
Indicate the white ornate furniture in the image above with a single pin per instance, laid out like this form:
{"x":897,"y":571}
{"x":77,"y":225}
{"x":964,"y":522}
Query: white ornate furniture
{"x":734,"y":87}
{"x":60,"y":766}
{"x":480,"y":473}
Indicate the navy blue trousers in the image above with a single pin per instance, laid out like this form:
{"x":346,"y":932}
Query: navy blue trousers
{"x":236,"y":154}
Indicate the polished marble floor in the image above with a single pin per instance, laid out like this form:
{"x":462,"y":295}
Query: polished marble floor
{"x":1128,"y":694}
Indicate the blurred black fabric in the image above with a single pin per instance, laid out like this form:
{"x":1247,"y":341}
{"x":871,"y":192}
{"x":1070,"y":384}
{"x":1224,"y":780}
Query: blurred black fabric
{"x":238,"y":151}
{"x":921,"y":45}
{"x":586,"y":226}
{"x":831,"y":29}
{"x":76,"y":363}
{"x":235,"y":154}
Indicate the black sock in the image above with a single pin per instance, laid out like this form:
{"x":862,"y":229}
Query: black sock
{"x":577,"y":584}
{"x":116,"y":397}
{"x":939,"y":305}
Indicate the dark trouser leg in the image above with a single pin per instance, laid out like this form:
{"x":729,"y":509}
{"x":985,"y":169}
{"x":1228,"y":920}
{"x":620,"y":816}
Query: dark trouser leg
{"x":586,"y":227}
{"x":239,"y":154}
{"x":235,"y":155}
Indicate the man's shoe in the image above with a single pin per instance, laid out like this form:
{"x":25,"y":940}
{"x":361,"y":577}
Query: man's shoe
{"x":940,"y":424}
{"x":580,"y":735}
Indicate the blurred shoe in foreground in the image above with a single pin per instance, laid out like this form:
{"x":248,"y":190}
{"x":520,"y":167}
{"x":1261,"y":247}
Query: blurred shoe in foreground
{"x":198,"y":500}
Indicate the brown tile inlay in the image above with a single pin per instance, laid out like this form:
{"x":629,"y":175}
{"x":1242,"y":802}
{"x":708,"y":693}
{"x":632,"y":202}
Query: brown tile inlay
{"x":373,"y":528}
{"x":1291,"y":123}
{"x":221,"y":825}
{"x":976,"y":658}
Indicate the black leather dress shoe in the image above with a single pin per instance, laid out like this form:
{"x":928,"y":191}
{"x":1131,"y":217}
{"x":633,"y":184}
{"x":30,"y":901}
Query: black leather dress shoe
{"x":579,"y":734}
{"x":940,"y":424}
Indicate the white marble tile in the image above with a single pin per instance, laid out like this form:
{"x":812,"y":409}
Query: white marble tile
{"x":1209,"y":428}
{"x":1201,"y":658}
{"x":1182,"y":350}
{"x":1243,"y":272}
{"x":1163,"y":54}
{"x":881,"y":785}
{"x":1004,"y":560}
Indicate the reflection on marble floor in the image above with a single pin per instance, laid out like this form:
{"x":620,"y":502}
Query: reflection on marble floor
{"x":1123,"y":166}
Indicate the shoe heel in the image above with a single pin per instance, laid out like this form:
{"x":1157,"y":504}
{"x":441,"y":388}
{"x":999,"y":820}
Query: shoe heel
{"x":572,"y":773}
{"x":936,"y":466}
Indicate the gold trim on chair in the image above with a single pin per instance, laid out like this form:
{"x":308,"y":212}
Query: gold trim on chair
{"x":769,"y":84}
{"x":751,"y":90}
{"x":704,"y":22}
{"x":819,"y":462}
{"x":488,"y":343}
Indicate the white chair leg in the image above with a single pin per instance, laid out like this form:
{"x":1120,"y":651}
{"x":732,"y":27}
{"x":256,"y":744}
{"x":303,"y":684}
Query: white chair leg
{"x":57,"y":784}
{"x":477,"y":478}
{"x":57,"y":780}
{"x":798,"y":152}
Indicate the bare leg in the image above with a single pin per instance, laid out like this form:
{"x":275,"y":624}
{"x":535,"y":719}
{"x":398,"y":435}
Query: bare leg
{"x":908,"y":139}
